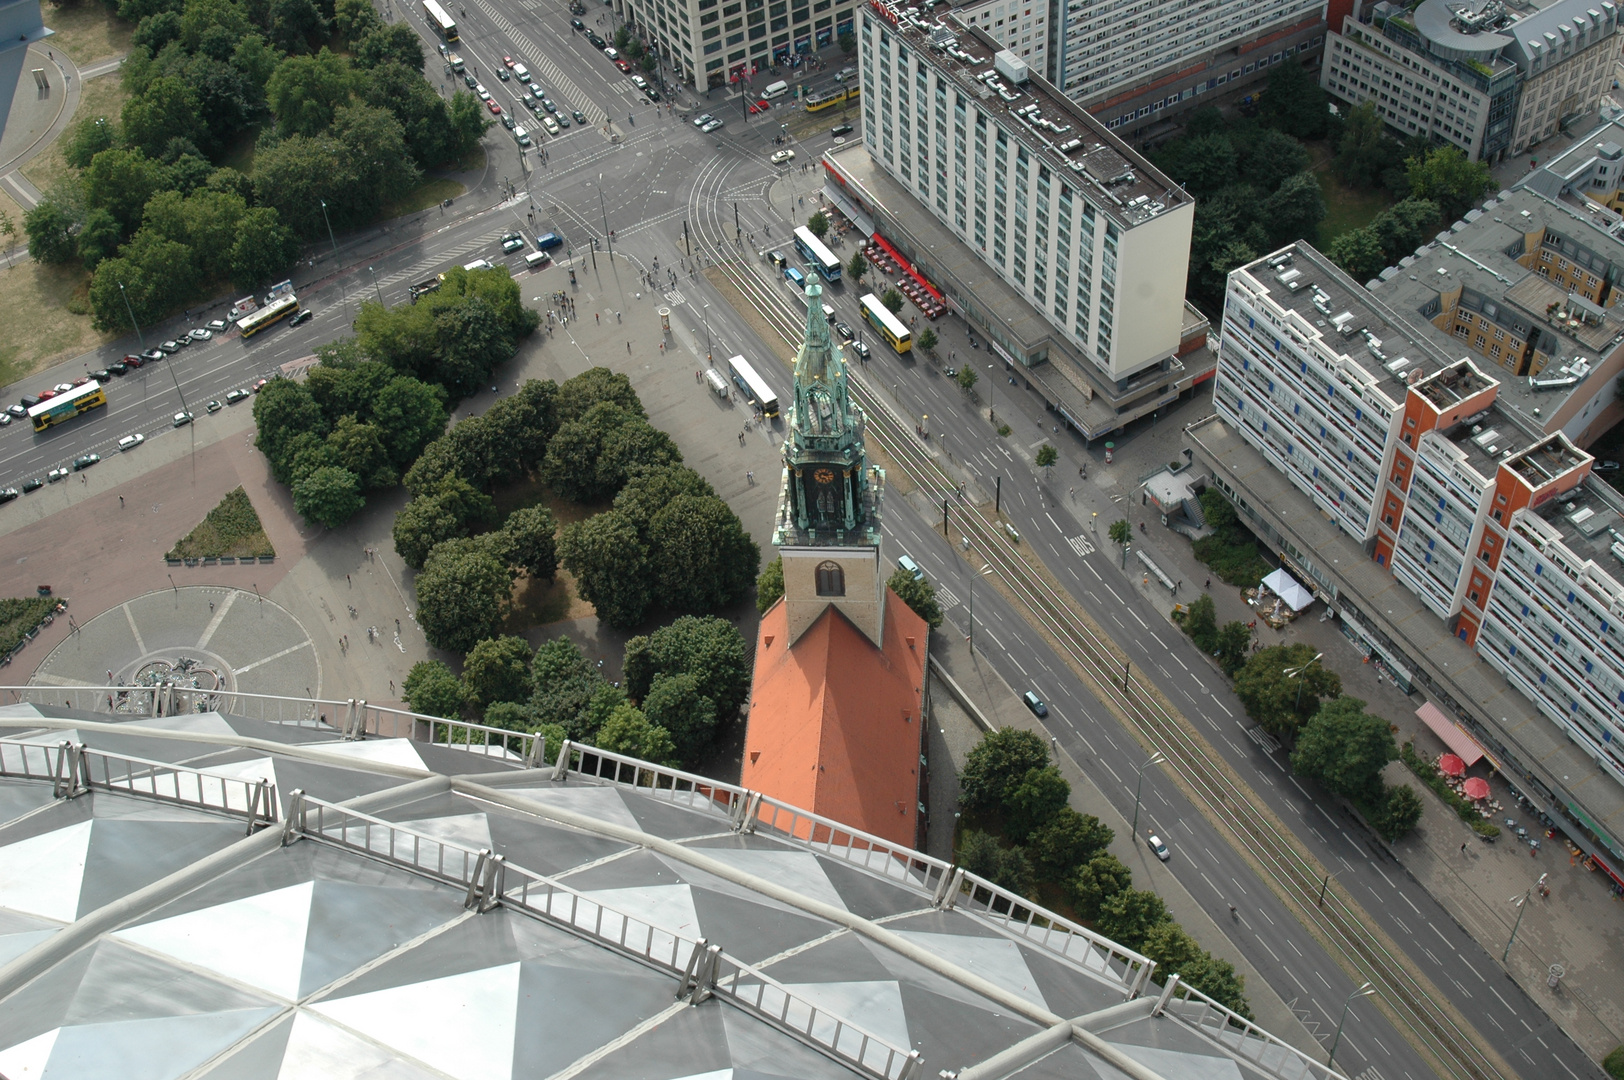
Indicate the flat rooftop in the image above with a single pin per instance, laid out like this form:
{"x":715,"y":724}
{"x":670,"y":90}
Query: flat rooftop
{"x":1376,"y":338}
{"x":1474,"y":254}
{"x":1052,"y":126}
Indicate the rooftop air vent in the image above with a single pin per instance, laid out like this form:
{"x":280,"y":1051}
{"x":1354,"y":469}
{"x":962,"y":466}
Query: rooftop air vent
{"x":1011,"y":67}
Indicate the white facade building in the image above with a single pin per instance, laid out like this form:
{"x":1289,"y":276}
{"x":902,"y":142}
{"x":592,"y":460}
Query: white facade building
{"x":710,"y":41}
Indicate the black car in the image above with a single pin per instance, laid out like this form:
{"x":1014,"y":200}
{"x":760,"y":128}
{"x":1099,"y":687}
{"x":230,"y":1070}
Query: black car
{"x":32,"y":485}
{"x":101,"y":374}
{"x":85,"y":462}
{"x":501,"y":73}
{"x":840,"y":129}
{"x":508,"y":121}
{"x":469,"y":81}
{"x":597,"y":42}
{"x":302,"y":317}
{"x":7,"y":494}
{"x":653,"y":94}
{"x":580,"y":117}
{"x":577,"y":24}
{"x":118,"y":367}
{"x":844,"y":331}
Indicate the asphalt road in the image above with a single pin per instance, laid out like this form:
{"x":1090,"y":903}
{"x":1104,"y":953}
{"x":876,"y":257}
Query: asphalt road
{"x":661,"y":173}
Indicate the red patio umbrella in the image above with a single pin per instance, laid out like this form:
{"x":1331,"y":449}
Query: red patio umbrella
{"x":1451,"y":765}
{"x":1476,"y":787}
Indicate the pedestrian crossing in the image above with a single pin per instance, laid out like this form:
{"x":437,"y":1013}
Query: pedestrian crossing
{"x":550,"y":72}
{"x":458,"y":257}
{"x":1081,"y":545}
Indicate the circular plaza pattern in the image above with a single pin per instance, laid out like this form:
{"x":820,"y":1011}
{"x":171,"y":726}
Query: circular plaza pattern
{"x":201,"y":639}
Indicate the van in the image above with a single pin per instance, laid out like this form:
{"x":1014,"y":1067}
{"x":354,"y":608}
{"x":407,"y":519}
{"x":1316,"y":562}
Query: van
{"x":794,"y":276}
{"x":479,"y":264}
{"x":521,"y":73}
{"x":521,"y":136}
{"x":536,"y":260}
{"x":716,"y":382}
{"x":845,"y":73}
{"x":548,"y":240}
{"x":777,"y":89}
{"x":905,"y":562}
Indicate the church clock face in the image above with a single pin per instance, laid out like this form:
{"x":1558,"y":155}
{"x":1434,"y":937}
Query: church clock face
{"x":826,"y":495}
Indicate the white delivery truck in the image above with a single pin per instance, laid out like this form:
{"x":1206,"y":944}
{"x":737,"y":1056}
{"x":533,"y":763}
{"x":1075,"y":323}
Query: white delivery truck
{"x":777,"y":89}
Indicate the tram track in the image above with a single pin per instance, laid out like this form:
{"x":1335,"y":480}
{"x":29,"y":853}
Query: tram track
{"x":1341,"y":926}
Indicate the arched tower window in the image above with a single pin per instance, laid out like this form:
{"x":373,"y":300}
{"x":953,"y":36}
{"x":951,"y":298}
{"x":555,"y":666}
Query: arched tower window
{"x":831,"y":579}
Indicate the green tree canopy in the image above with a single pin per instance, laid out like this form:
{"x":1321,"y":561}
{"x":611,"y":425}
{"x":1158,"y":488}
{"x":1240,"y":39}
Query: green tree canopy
{"x":1446,"y":176}
{"x":770,"y":585}
{"x":676,"y":703}
{"x":359,"y":448}
{"x":1359,"y":252}
{"x":262,"y":248}
{"x":1095,"y":882}
{"x":594,"y":385}
{"x":1201,"y":623}
{"x":818,"y":224}
{"x":1345,"y":748}
{"x":462,"y":596}
{"x":709,"y":649}
{"x":1398,"y":813}
{"x":566,"y":684}
{"x":527,"y":542}
{"x":917,"y":593}
{"x":704,"y":560}
{"x":409,"y":415}
{"x":498,"y":669}
{"x":1034,"y":801}
{"x":1128,"y":917}
{"x":329,"y":496}
{"x":996,"y":764}
{"x":1008,"y":868}
{"x":1234,"y":640}
{"x":609,"y":563}
{"x":452,"y":509}
{"x":1066,"y":841}
{"x":856,"y":266}
{"x":628,"y":731}
{"x":1281,"y":704}
{"x":305,"y":92}
{"x":1294,"y":102}
{"x":50,"y":233}
{"x":1295,"y":210}
{"x":433,"y":689}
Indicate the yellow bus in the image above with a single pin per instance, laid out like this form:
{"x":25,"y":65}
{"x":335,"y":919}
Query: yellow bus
{"x":270,"y":314}
{"x":890,"y":327}
{"x":67,"y":405}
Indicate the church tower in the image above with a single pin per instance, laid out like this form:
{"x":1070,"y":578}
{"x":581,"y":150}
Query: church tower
{"x":828,"y":527}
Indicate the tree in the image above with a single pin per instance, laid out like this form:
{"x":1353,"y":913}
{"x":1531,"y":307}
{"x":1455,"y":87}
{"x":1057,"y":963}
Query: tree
{"x":708,"y":648}
{"x":354,"y":19}
{"x":1201,"y":623}
{"x":1345,"y":748}
{"x":1030,"y":804}
{"x":121,"y":181}
{"x":432,"y":689}
{"x":1203,"y":165}
{"x":50,"y":233}
{"x":856,"y":266}
{"x":1066,"y":841}
{"x":579,"y":394}
{"x":305,"y":91}
{"x":1294,"y":102}
{"x":8,"y":229}
{"x":99,"y":238}
{"x":770,"y":585}
{"x":1405,"y":226}
{"x":1281,"y":704}
{"x":1177,"y":953}
{"x":282,"y":410}
{"x":409,"y":414}
{"x":1398,"y":813}
{"x":918,"y":594}
{"x":1234,"y":640}
{"x":996,"y":764}
{"x":528,"y":542}
{"x":1359,"y":252}
{"x":1008,"y":868}
{"x":88,"y":136}
{"x":1095,"y":882}
{"x":892,"y":301}
{"x":509,"y":716}
{"x":376,"y":144}
{"x":330,"y":496}
{"x":928,"y":341}
{"x":1128,"y":917}
{"x":703,"y":558}
{"x":1047,"y":456}
{"x":167,"y":108}
{"x":359,"y":448}
{"x":675,"y":703}
{"x":628,"y":731}
{"x":848,"y":42}
{"x":1266,"y":158}
{"x":1366,"y":150}
{"x":1449,"y":178}
{"x":468,"y":123}
{"x":498,"y":669}
{"x":293,"y":23}
{"x":461,"y":597}
{"x":610,"y":566}
{"x":587,"y":459}
{"x":566,"y":685}
{"x":262,"y":248}
{"x":452,"y":508}
{"x":1295,"y":211}
{"x":966,"y":377}
{"x":818,"y":223}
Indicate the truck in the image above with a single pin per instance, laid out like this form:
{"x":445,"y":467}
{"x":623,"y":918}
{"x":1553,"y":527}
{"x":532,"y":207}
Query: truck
{"x":456,"y":62}
{"x":423,"y":288}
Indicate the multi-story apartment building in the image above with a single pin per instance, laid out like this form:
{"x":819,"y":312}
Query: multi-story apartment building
{"x":1061,"y":246}
{"x":1141,"y":63}
{"x":1021,"y":26}
{"x":709,"y":42}
{"x":1480,"y":77}
{"x":1351,"y":432}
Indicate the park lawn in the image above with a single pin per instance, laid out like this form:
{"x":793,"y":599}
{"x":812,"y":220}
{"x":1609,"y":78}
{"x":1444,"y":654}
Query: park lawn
{"x":87,"y":33}
{"x":1347,"y":209}
{"x":100,"y":97}
{"x":40,"y":330}
{"x":231,"y":528}
{"x":430,"y":193}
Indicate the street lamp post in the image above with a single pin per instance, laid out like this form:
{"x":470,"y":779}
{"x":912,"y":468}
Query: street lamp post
{"x":1364,"y":991}
{"x":992,"y":417}
{"x":1155,"y":759}
{"x":128,"y":308}
{"x":704,"y":315}
{"x":329,"y":224}
{"x":1298,"y":673}
{"x":1522,"y":909}
{"x":374,"y":272}
{"x":605,"y":213}
{"x":964,"y":542}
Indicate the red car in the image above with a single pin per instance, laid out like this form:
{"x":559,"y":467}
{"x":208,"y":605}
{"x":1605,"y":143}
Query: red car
{"x":496,"y":110}
{"x":260,"y":385}
{"x":133,"y":361}
{"x":623,"y":66}
{"x":507,"y":61}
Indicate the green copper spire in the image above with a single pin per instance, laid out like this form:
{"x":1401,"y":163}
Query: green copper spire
{"x":829,"y":494}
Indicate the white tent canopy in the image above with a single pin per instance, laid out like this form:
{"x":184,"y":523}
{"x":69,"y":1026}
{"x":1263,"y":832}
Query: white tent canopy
{"x":1285,"y":586}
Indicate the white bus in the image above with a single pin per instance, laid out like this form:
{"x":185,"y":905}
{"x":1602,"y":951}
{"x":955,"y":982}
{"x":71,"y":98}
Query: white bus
{"x":890,"y":327}
{"x":754,"y":386}
{"x":812,"y":249}
{"x":439,"y":20}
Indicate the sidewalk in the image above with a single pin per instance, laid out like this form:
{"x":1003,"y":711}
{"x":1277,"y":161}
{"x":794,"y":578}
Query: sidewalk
{"x":1578,"y":925}
{"x":954,"y":733}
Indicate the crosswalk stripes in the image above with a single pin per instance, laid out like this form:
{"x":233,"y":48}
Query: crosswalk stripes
{"x":945,"y":598}
{"x":1081,"y":545}
{"x":550,"y":72}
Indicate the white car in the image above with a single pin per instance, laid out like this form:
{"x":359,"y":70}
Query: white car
{"x":702,"y":119}
{"x":781,"y":156}
{"x":130,"y":442}
{"x":484,"y":94}
{"x":201,"y":334}
{"x":550,"y":124}
{"x":1155,"y":844}
{"x":218,"y":325}
{"x":711,"y":125}
{"x":182,"y":419}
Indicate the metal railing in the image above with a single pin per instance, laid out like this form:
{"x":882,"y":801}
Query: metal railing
{"x":385,"y":723}
{"x":1239,"y":1035}
{"x":142,"y":701}
{"x":703,"y":970}
{"x":685,"y":789}
{"x":74,"y":769}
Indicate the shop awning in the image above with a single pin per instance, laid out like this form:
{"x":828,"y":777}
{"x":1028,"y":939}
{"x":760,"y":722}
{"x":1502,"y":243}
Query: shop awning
{"x":1286,"y":588}
{"x":1452,"y":735}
